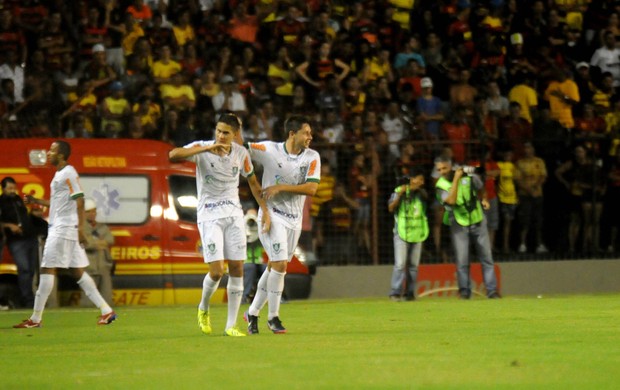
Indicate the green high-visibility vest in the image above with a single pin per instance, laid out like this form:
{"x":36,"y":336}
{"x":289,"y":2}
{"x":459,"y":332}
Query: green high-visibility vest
{"x":462,"y":215}
{"x":411,"y":219}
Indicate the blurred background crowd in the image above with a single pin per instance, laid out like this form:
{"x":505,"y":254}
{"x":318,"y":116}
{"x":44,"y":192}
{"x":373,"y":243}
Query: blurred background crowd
{"x":525,"y":89}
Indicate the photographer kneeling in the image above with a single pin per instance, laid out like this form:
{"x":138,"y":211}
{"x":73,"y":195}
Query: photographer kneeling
{"x":458,"y":192}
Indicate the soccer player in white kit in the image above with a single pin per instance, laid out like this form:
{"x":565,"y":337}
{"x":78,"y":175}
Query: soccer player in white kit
{"x":291,"y":171}
{"x":63,"y":247}
{"x":220,"y":217}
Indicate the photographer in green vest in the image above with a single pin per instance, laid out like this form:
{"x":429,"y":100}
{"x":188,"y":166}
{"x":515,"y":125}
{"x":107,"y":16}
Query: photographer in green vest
{"x":459,"y":193}
{"x":408,"y":203}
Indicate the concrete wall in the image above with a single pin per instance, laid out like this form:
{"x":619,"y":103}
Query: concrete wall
{"x":522,"y":278}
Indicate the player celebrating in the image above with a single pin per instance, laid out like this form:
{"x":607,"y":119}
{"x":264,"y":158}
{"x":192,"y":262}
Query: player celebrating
{"x":290,"y":172}
{"x":221,"y":225}
{"x":63,"y":247}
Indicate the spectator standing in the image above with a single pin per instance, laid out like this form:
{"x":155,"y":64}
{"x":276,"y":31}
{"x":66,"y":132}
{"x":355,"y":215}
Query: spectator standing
{"x":496,"y":103}
{"x":290,"y":28}
{"x":430,"y":110}
{"x":579,"y":177}
{"x":507,"y":194}
{"x":322,"y":64}
{"x":457,"y":131}
{"x":533,"y":174}
{"x":562,"y":94}
{"x":115,"y":109}
{"x":183,"y":30}
{"x":524,"y":94}
{"x":462,"y":93}
{"x":607,"y":57}
{"x":410,"y":51}
{"x":12,"y":37}
{"x":178,"y":95}
{"x":515,"y":131}
{"x":98,"y":71}
{"x":394,"y":125}
{"x":280,"y":74}
{"x":164,"y":68}
{"x":229,"y":99}
{"x":55,"y":41}
{"x":21,"y":239}
{"x":99,"y":239}
{"x":12,"y":70}
{"x":408,"y":204}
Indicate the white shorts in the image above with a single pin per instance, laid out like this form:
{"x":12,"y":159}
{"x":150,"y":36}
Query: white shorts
{"x":60,"y":252}
{"x":280,"y":242}
{"x":223,"y":239}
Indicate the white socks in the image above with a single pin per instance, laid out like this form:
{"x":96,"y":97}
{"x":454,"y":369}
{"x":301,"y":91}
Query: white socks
{"x":261,"y":294}
{"x":235,"y":293}
{"x":46,"y":284}
{"x":209,"y":286}
{"x":87,"y":284}
{"x":275,"y":286}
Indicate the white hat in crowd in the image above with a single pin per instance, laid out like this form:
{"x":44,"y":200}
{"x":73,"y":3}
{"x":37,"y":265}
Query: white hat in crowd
{"x":426,"y":82}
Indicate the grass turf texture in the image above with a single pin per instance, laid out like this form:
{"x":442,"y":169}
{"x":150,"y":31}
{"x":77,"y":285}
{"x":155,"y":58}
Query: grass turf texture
{"x":517,"y":342}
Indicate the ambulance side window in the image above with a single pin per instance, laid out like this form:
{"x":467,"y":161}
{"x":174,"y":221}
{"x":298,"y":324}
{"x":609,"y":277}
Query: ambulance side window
{"x":122,"y":199}
{"x":183,"y":190}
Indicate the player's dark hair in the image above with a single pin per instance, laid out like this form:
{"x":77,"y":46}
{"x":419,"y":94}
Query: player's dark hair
{"x":230,"y":119}
{"x":63,"y":148}
{"x":6,"y":181}
{"x":295,"y":123}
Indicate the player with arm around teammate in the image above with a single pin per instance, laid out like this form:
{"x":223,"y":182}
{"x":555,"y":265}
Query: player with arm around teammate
{"x":220,"y":219}
{"x":64,"y":247}
{"x":291,"y":171}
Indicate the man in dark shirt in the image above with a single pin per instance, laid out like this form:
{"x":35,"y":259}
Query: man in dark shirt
{"x":21,"y":238}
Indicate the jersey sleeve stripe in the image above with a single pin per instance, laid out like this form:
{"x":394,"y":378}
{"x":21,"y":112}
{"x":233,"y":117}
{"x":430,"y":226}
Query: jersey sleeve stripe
{"x":260,"y":147}
{"x":68,"y":183}
{"x":246,"y":164}
{"x":313,"y":181}
{"x":312,"y":168}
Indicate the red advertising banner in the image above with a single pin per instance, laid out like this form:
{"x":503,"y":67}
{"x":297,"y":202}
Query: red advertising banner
{"x":439,"y":280}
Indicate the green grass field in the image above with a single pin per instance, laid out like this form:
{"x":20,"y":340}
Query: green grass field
{"x":518,"y":342}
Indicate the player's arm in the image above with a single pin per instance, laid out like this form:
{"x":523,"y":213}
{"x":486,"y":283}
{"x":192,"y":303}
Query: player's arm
{"x":180,"y":154}
{"x":256,"y":189}
{"x":454,"y":189}
{"x":308,"y":188}
{"x":79,"y":201}
{"x":395,"y":198}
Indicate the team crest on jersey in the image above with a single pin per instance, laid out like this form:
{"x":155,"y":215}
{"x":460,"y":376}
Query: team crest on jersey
{"x":303,"y":170}
{"x":209,"y":179}
{"x":235,"y":170}
{"x":211,"y":248}
{"x":276,"y":247}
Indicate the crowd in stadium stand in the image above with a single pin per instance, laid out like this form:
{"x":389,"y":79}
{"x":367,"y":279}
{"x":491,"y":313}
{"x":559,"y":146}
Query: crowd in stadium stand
{"x":388,"y":84}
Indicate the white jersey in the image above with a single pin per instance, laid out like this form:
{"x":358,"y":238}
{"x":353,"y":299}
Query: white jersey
{"x":280,"y":167}
{"x":217,"y":181}
{"x":64,"y":189}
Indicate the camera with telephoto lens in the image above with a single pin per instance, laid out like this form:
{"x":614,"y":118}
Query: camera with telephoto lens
{"x":403,"y":180}
{"x":468,"y":169}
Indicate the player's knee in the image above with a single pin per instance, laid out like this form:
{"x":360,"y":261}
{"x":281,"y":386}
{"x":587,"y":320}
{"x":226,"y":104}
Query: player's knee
{"x":215,"y":275}
{"x":279,"y":266}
